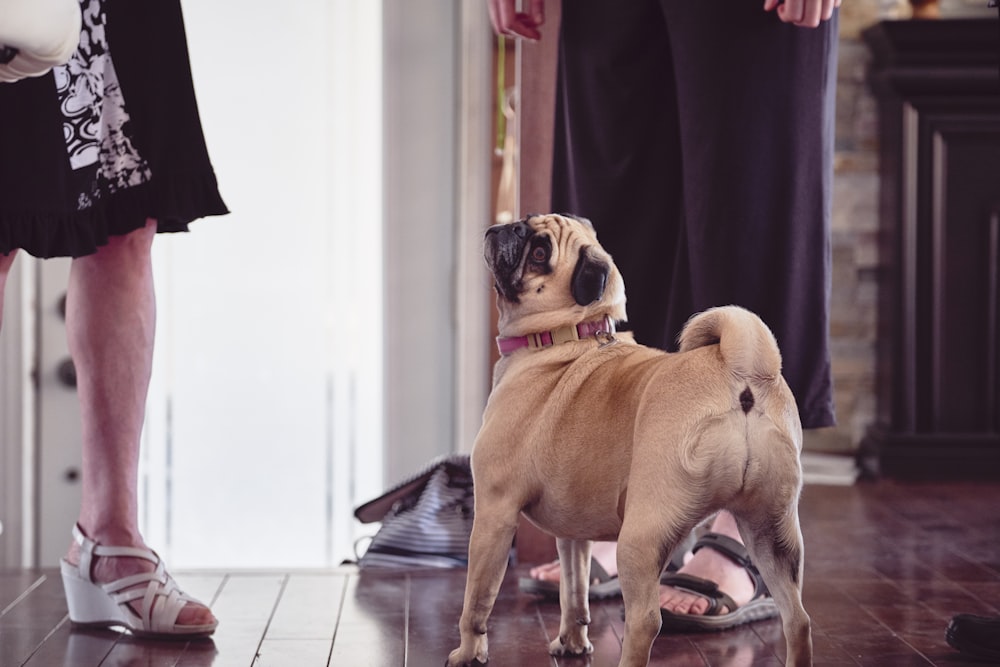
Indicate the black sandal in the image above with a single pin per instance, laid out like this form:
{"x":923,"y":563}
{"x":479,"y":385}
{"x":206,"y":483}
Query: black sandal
{"x":761,"y":606}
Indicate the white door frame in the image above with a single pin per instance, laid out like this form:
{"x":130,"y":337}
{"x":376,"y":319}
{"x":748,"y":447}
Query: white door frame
{"x":39,"y":418}
{"x":472,"y":287}
{"x":437,"y":174}
{"x":17,"y":422}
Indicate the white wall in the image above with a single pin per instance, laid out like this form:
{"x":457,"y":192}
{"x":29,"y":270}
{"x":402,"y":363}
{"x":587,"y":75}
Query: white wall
{"x":265,"y":425}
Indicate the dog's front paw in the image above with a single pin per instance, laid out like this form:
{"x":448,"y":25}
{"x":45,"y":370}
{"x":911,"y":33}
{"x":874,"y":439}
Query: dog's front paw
{"x":564,"y":645}
{"x":463,"y":657}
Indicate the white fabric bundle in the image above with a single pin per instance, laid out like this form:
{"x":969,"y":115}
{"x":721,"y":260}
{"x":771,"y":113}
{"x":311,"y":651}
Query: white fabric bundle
{"x":45,"y":33}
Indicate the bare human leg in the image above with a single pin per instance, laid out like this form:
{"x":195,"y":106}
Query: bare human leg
{"x":5,"y":263}
{"x":110,"y":320}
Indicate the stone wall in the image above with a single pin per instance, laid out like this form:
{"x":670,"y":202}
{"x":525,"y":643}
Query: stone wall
{"x":855,"y":222}
{"x":853,"y":303}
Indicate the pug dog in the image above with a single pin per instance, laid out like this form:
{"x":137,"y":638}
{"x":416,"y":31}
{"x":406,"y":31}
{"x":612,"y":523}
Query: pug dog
{"x":592,"y":436}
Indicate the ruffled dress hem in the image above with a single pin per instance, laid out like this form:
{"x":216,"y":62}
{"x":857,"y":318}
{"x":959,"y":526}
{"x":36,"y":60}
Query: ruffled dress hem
{"x":173,"y":204}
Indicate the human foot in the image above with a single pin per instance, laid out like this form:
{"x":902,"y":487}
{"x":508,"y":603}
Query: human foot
{"x":605,"y":553}
{"x":544,"y":579}
{"x":705,"y":564}
{"x":709,"y":594}
{"x":711,"y":565}
{"x":130,"y":560}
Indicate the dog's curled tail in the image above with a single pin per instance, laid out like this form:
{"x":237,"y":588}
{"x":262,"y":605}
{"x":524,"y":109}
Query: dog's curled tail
{"x":746,"y":343}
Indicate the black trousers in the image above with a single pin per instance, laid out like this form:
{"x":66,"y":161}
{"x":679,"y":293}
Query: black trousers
{"x":698,"y":138}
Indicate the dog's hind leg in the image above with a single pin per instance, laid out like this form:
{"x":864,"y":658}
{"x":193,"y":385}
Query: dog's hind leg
{"x":489,"y":548}
{"x":643,"y":548}
{"x":574,"y":586}
{"x":774,"y":542}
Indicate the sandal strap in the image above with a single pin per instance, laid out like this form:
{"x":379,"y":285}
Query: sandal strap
{"x":737,"y":553}
{"x":161,"y":602}
{"x":130,"y":582}
{"x":162,"y":599}
{"x":704,"y":588}
{"x":89,"y":549}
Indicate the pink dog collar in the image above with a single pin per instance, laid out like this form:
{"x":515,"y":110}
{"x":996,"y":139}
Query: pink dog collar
{"x":536,"y":341}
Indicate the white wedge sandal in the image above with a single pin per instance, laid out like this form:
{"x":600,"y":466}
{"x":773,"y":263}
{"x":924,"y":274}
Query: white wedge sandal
{"x":108,"y":605}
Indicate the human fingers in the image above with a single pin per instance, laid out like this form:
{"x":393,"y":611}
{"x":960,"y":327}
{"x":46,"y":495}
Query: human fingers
{"x":524,"y":26}
{"x":537,"y":12}
{"x":795,"y":12}
{"x":494,"y":8}
{"x":812,"y":12}
{"x":807,"y":13}
{"x":828,"y":7}
{"x":508,"y":21}
{"x":502,"y":15}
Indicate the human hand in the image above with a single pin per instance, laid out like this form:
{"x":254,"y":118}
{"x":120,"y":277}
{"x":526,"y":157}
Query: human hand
{"x":510,"y":22}
{"x":803,"y":13}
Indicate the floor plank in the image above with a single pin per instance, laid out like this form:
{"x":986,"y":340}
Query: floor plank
{"x":247,"y":603}
{"x":372,"y":627}
{"x":305,"y":621}
{"x":14,"y":585}
{"x":887,"y":564}
{"x":33,"y":618}
{"x":308,"y":608}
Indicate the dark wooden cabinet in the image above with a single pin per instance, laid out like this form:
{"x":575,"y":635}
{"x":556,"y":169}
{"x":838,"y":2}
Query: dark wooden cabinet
{"x":937,"y":84}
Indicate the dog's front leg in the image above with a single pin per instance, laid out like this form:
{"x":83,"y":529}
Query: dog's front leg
{"x":489,"y":548}
{"x":574,"y":587}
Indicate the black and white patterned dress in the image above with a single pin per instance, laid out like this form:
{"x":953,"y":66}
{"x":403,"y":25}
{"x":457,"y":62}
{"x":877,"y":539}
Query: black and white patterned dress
{"x":107,"y":140}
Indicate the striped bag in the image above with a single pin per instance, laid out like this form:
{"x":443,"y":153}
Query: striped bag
{"x":426,"y":519}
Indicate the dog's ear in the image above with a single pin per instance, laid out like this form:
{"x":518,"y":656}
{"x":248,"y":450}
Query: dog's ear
{"x":589,"y":278}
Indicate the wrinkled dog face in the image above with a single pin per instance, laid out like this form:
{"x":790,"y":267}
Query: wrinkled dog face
{"x":505,"y":251}
{"x":549,"y":263}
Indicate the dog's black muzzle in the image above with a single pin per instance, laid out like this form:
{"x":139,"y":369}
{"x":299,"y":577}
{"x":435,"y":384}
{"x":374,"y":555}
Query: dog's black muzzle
{"x":504,"y":252}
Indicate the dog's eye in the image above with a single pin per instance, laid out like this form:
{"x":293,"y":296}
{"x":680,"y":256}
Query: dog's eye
{"x":539,"y":254}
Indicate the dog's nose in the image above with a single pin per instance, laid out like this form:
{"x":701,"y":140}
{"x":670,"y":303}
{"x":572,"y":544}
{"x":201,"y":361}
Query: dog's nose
{"x":519,"y":229}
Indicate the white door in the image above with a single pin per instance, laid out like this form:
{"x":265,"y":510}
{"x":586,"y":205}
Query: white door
{"x":264,"y":425}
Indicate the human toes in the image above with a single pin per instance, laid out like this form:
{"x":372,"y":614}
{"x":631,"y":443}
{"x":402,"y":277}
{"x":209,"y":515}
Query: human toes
{"x":195,"y":613}
{"x":547,"y":572}
{"x":681,"y":602}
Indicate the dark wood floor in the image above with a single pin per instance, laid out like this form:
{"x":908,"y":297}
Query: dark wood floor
{"x":887,"y":564}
